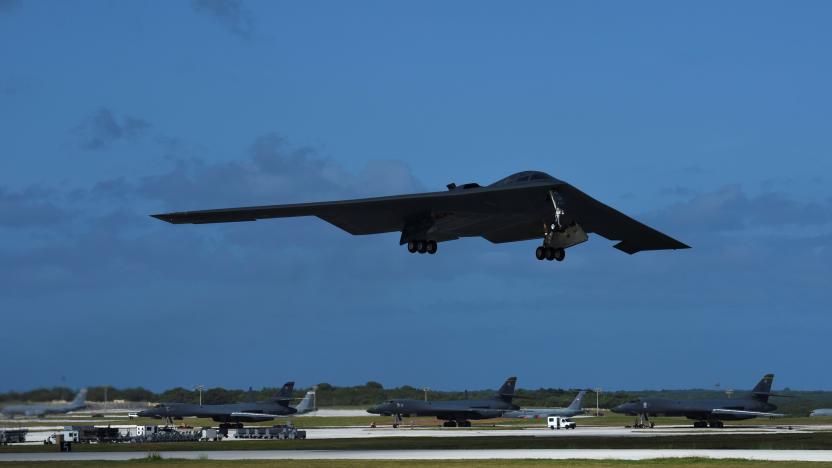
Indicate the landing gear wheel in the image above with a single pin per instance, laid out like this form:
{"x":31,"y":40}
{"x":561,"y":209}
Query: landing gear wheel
{"x":412,"y":246}
{"x":559,"y":254}
{"x":540,"y":253}
{"x":423,"y":246}
{"x":431,"y":247}
{"x":550,"y":254}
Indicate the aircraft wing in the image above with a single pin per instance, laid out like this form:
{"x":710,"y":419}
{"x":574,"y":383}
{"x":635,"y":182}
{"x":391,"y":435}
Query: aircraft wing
{"x":516,"y":212}
{"x":746,"y":413}
{"x":610,"y":223}
{"x":380,"y":214}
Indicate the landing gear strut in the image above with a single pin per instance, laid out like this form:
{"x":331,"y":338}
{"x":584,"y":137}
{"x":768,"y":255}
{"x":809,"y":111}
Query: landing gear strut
{"x":644,"y":422}
{"x":558,"y":236}
{"x":422,"y":246}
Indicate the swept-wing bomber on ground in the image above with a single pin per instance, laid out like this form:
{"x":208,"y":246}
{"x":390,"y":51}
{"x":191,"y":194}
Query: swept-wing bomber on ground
{"x":524,"y":206}
{"x":707,"y":411}
{"x":234,"y":413}
{"x":453,"y":412}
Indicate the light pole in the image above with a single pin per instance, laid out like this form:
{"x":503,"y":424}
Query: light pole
{"x":597,"y":397}
{"x":425,"y":389}
{"x":200,"y":388}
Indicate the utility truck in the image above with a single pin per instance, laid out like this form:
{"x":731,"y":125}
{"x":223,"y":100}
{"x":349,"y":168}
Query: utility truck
{"x":558,"y":422}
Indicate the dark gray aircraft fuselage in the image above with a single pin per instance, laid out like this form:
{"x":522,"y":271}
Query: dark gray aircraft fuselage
{"x":453,"y":410}
{"x":228,"y":413}
{"x":700,"y":409}
{"x":457,"y":412}
{"x":707,"y":411}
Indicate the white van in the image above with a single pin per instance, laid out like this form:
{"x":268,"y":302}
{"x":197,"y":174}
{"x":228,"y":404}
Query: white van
{"x":557,"y":422}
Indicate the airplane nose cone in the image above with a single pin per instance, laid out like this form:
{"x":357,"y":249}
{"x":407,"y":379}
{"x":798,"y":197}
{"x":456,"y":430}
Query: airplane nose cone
{"x":373,"y":410}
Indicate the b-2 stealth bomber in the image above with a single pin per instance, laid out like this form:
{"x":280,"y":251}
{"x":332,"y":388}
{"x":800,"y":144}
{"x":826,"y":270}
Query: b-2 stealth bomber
{"x":523,"y":206}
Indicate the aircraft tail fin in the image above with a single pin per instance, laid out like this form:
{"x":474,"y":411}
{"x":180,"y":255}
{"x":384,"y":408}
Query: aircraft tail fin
{"x":80,"y":397}
{"x":506,"y":392}
{"x":578,"y":402}
{"x":308,"y":404}
{"x":285,"y":393}
{"x":763,"y":388}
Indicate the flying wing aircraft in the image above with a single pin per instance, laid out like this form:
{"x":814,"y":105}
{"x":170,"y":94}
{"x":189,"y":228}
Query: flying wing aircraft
{"x":523,"y":206}
{"x":708,"y":411}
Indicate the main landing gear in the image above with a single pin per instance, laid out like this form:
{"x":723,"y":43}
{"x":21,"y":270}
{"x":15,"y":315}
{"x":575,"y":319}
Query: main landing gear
{"x":456,"y":424}
{"x":712,"y":424}
{"x":422,"y":246}
{"x":643,"y":422}
{"x":550,"y":253}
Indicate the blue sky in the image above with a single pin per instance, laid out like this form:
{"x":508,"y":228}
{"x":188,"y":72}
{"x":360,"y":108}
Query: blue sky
{"x":709,"y":121}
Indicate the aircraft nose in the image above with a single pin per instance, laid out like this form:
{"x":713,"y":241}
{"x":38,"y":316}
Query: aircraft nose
{"x":374,"y":409}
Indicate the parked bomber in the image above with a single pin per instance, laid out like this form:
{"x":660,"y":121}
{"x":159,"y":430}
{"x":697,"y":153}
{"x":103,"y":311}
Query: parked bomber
{"x":523,"y":206}
{"x":574,"y":409}
{"x":707,"y":411}
{"x":30,"y":410}
{"x":234,"y":413}
{"x":452,"y":412}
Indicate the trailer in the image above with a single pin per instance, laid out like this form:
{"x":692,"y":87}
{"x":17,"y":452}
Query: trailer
{"x":13,"y":436}
{"x":280,"y":431}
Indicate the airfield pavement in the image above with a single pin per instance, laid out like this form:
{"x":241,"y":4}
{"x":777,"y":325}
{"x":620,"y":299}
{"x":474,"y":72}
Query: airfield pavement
{"x":586,"y":431}
{"x":505,"y":454}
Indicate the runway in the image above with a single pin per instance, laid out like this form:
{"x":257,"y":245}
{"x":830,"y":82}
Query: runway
{"x":511,"y":454}
{"x":586,"y":431}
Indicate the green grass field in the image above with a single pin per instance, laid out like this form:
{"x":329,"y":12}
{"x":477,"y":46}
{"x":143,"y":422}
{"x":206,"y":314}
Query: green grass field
{"x":682,"y":462}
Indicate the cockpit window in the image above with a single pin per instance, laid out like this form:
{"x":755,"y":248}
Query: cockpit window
{"x":522,"y":177}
